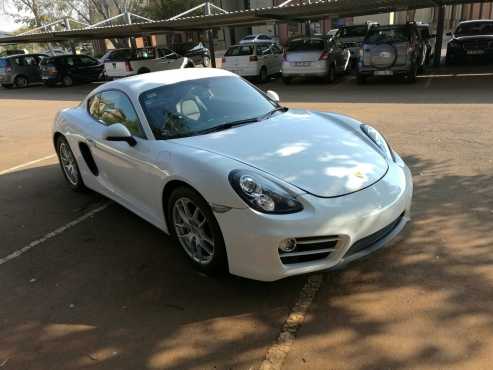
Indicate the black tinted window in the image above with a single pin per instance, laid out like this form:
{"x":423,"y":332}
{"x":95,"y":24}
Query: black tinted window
{"x":354,"y":31}
{"x":120,"y":54}
{"x":70,"y":61}
{"x":306,"y":45}
{"x":475,"y":28}
{"x":115,"y":107}
{"x":385,"y":35}
{"x":84,"y":60}
{"x":239,"y":51}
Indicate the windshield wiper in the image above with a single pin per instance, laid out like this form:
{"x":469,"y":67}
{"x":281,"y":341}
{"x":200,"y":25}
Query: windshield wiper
{"x":273,"y":111}
{"x":227,"y":126}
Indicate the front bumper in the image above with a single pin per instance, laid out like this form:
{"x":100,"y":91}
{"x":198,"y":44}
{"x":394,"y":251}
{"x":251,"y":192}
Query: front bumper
{"x":252,"y":239}
{"x":311,"y":69}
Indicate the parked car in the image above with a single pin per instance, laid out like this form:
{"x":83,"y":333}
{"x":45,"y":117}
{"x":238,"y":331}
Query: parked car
{"x":127,"y":62}
{"x":196,"y":52}
{"x":260,"y":60}
{"x":20,"y":70}
{"x":6,"y":53}
{"x":242,"y":183}
{"x":429,"y":40}
{"x":353,"y":36}
{"x":68,"y":69}
{"x":315,"y":57}
{"x":395,"y":50}
{"x":471,"y":40}
{"x":257,"y":39}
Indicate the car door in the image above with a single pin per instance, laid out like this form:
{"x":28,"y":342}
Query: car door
{"x":276,"y":59}
{"x":31,"y":68}
{"x":127,"y":172}
{"x":71,"y":68}
{"x":88,"y":68}
{"x":169,"y":59}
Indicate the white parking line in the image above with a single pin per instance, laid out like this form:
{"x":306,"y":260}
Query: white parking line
{"x":52,"y":234}
{"x":278,"y":352}
{"x":12,"y":169}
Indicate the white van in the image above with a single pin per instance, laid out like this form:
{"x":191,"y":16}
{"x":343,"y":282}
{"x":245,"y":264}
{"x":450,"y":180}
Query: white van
{"x":254,"y":60}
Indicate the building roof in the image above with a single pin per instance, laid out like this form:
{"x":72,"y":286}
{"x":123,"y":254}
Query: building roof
{"x":291,"y":12}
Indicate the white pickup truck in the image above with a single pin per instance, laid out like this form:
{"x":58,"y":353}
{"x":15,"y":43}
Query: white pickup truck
{"x":128,"y":62}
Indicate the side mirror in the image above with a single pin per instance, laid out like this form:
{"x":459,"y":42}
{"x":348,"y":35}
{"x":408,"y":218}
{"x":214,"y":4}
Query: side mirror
{"x":118,"y":132}
{"x":273,"y":96}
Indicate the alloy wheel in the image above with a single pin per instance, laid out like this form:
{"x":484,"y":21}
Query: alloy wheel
{"x":68,"y":164}
{"x":193,"y":230}
{"x":21,"y":82}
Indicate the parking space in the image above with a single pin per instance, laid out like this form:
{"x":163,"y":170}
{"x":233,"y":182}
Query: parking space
{"x":112,"y":291}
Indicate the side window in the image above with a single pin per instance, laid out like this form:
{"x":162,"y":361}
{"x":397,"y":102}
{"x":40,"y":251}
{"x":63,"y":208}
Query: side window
{"x":93,"y":107}
{"x":70,"y":61}
{"x":115,"y":107}
{"x":264,"y":37}
{"x":30,"y":61}
{"x":86,"y":61}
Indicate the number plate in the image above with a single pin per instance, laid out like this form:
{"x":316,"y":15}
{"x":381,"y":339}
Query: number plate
{"x":302,"y":64}
{"x":475,"y":52}
{"x":384,"y":73}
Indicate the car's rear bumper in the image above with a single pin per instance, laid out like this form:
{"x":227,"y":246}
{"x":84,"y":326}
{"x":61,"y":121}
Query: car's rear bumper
{"x":367,"y":220}
{"x":461,"y":55}
{"x":398,"y":70}
{"x":244,"y":71}
{"x":314,"y":69}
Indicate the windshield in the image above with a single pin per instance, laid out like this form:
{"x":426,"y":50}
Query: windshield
{"x":187,"y":108}
{"x":475,"y":28}
{"x":388,"y":35}
{"x":237,"y":51}
{"x":306,"y":45}
{"x":354,"y":31}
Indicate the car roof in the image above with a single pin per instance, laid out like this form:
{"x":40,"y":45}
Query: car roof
{"x":477,"y":21}
{"x":137,"y":84}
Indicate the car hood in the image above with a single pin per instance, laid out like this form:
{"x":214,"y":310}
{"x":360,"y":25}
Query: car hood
{"x":319,"y":153}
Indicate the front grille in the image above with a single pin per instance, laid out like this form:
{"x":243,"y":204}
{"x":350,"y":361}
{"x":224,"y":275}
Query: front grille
{"x":310,"y":249}
{"x":478,"y":45}
{"x":371,"y":240}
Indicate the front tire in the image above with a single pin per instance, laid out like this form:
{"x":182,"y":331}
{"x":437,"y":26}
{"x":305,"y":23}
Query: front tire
{"x":69,"y":165}
{"x":21,"y":82}
{"x":193,"y":224}
{"x":67,"y":81}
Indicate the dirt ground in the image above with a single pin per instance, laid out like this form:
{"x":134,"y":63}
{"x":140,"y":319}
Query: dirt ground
{"x":113,"y":292}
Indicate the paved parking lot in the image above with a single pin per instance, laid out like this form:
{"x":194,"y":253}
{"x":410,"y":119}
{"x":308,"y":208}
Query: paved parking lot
{"x":110,"y":291}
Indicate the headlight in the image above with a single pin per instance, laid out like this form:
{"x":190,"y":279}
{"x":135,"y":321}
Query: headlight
{"x":262,"y":194}
{"x":379,"y":140}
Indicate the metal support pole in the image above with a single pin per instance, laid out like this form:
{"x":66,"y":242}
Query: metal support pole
{"x":128,"y":20}
{"x":210,"y":36}
{"x":66,"y":23}
{"x":439,"y":39}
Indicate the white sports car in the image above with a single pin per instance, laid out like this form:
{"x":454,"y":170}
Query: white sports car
{"x":243,"y":183}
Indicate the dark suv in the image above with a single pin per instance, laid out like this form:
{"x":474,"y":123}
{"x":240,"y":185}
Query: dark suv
{"x":68,"y":69}
{"x":471,"y":40}
{"x":396,"y":50}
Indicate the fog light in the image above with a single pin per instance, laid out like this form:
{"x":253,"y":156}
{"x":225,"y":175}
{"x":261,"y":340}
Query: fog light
{"x":287,"y":246}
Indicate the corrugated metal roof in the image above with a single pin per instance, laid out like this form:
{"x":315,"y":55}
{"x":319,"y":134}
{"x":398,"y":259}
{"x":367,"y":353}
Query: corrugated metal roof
{"x":294,"y":12}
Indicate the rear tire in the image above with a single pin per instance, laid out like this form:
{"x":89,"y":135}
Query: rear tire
{"x":21,"y":82}
{"x":69,"y":166}
{"x":143,"y":70}
{"x":263,"y":76}
{"x":331,"y":74}
{"x":361,"y":79}
{"x":67,"y":81}
{"x":286,"y":80}
{"x":192,"y":232}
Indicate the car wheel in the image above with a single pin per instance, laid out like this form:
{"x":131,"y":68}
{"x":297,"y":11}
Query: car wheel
{"x":143,"y":70}
{"x":193,"y":224}
{"x":69,"y":165}
{"x":361,"y":79}
{"x":263,"y":77}
{"x":206,"y":61}
{"x":67,"y":81}
{"x":7,"y":86}
{"x":331,"y":74}
{"x":21,"y":82}
{"x":286,"y":80}
{"x":411,"y":75}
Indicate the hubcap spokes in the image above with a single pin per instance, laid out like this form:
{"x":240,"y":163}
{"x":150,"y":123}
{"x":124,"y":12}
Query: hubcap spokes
{"x":68,"y":164}
{"x":192,"y":230}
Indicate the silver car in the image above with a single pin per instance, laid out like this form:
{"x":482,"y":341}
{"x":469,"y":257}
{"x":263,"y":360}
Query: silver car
{"x":314,"y":57}
{"x":20,"y":70}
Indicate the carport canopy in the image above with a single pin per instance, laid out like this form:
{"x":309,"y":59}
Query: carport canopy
{"x":290,"y":12}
